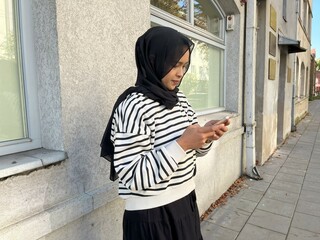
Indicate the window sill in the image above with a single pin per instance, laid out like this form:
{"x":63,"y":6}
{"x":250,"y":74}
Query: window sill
{"x":18,"y":163}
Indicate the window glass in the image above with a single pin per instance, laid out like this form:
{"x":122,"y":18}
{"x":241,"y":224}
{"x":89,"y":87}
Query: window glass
{"x":177,"y":8}
{"x":12,"y":105}
{"x":203,"y":83}
{"x":207,"y":17}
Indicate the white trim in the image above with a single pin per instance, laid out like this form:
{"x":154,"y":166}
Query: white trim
{"x":210,"y":111}
{"x":33,"y":140}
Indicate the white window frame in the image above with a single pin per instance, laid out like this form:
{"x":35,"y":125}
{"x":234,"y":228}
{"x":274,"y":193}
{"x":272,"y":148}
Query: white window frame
{"x":161,"y":17}
{"x":28,"y":61}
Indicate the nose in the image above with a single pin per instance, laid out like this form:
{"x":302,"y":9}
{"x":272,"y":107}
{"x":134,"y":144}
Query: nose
{"x":180,"y":71}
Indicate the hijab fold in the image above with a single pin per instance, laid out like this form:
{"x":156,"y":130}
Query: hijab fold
{"x":157,"y":51}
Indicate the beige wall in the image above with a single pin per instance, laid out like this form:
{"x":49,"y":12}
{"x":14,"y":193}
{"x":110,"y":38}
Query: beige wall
{"x":274,"y":97}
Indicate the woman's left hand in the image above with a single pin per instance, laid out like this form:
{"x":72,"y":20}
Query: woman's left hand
{"x":218,"y":129}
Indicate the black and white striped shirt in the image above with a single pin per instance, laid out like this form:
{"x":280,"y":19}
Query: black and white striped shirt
{"x":153,"y":169}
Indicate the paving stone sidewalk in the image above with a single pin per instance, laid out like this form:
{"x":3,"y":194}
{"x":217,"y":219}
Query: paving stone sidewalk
{"x":285,"y":205}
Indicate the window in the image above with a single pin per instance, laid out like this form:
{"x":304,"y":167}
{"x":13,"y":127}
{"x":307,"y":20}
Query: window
{"x":309,"y":23}
{"x":203,"y":22}
{"x":302,"y":80}
{"x":202,"y":84}
{"x":19,"y":121}
{"x":305,"y":14}
{"x":201,"y":13}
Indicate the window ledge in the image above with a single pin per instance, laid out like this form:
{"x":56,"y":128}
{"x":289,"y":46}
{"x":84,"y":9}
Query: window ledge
{"x":27,"y":161}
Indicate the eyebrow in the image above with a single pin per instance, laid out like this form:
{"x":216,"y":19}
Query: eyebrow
{"x":182,"y":63}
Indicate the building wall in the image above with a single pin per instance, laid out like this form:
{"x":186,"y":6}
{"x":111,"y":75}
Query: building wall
{"x":312,"y":74}
{"x":85,"y":59}
{"x":317,"y":83}
{"x":274,"y":91}
{"x":304,"y":63}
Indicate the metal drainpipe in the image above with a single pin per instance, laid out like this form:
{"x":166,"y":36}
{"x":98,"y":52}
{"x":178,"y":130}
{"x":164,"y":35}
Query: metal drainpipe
{"x":250,"y":76}
{"x":293,"y":108}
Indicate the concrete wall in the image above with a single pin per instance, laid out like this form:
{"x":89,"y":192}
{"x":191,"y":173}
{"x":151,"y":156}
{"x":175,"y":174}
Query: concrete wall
{"x":274,"y":96}
{"x":304,"y":65}
{"x":217,"y":171}
{"x":85,"y":59}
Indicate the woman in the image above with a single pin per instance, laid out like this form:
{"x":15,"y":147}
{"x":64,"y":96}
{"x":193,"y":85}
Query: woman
{"x":153,"y":139}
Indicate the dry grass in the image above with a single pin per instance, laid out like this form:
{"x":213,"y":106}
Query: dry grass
{"x":232,"y":191}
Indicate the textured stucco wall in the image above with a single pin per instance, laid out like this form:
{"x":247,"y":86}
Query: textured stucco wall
{"x":46,"y":52}
{"x":85,"y":59}
{"x":217,"y":171}
{"x":31,"y":193}
{"x":96,"y":56}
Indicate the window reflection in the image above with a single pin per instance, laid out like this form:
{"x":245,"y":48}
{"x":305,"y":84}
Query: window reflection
{"x":177,"y":8}
{"x":207,"y":17}
{"x":203,"y":83}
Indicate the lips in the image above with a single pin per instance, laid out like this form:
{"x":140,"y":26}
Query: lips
{"x":176,"y":82}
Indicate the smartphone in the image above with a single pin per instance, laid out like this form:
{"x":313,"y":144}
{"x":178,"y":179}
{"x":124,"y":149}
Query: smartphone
{"x":223,"y":120}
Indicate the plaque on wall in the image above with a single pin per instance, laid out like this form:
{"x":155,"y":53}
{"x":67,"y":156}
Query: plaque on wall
{"x":289,"y":75}
{"x":272,"y":44}
{"x":272,"y":69}
{"x":273,"y":18}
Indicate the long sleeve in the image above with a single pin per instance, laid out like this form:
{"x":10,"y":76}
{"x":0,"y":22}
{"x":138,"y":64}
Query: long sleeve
{"x":147,"y":158}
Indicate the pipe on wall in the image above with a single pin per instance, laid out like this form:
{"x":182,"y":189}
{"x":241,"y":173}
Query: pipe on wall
{"x":249,"y":88}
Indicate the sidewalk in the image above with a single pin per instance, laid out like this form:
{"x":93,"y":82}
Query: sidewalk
{"x":285,"y":205}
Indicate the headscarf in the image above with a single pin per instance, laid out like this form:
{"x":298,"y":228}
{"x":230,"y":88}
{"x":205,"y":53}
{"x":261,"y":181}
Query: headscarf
{"x":157,"y":51}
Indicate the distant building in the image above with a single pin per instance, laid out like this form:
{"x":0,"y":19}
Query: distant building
{"x":317,"y":83}
{"x":312,"y":87}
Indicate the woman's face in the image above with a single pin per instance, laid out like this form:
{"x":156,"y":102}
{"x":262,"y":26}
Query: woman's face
{"x":173,"y":78}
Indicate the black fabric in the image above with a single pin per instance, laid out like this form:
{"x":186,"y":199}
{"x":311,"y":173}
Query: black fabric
{"x":175,"y":221}
{"x":157,"y":51}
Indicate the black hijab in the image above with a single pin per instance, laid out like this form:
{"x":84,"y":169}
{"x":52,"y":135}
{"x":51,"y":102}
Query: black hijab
{"x":157,"y":51}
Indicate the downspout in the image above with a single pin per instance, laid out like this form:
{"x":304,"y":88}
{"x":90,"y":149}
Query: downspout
{"x":293,"y":108}
{"x":249,"y":88}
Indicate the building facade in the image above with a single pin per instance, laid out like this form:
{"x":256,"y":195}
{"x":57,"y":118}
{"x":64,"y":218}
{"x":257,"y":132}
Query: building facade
{"x":313,"y":66}
{"x":64,"y":63}
{"x":283,"y":71}
{"x":317,"y":83}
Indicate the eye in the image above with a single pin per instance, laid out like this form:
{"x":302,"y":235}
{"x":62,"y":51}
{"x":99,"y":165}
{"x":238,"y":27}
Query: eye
{"x":185,"y":67}
{"x":176,"y":66}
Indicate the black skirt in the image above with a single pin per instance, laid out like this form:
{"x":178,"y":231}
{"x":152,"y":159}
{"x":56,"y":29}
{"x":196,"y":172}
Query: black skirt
{"x":178,"y":220}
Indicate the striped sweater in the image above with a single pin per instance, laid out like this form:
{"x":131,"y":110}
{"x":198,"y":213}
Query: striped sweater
{"x":153,"y":169}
